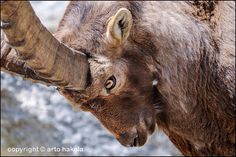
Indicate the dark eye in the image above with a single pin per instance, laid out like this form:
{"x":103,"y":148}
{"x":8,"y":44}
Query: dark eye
{"x":110,"y":83}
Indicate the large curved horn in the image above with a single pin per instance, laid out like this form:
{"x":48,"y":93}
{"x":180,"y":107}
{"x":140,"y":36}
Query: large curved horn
{"x":43,"y":53}
{"x":11,"y":64}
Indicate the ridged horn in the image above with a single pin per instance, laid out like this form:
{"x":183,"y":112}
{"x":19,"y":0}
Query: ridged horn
{"x":48,"y":58}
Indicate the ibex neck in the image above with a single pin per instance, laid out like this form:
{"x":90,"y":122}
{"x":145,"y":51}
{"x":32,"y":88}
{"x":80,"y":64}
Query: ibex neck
{"x":184,"y":56}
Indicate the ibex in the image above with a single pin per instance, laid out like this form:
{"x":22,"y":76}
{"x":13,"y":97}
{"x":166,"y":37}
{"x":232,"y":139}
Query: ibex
{"x":135,"y":66}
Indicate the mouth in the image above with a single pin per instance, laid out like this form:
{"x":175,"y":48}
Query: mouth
{"x":136,"y":142}
{"x":137,"y":139}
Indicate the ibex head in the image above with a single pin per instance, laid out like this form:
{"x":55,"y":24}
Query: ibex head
{"x":120,"y":91}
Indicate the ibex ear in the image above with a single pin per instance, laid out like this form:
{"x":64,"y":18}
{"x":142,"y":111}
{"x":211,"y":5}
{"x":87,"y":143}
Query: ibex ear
{"x":118,"y":27}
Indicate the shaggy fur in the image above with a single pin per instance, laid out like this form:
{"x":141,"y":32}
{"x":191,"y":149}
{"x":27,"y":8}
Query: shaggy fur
{"x":188,"y":47}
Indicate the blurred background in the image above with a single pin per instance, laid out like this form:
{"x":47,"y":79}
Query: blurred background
{"x":33,"y":115}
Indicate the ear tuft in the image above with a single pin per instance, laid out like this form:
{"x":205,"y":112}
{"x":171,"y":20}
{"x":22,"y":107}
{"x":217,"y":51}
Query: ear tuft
{"x":119,"y":26}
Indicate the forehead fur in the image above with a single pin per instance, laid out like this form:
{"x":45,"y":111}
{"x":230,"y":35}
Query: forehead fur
{"x":87,"y":11}
{"x":83,"y":25}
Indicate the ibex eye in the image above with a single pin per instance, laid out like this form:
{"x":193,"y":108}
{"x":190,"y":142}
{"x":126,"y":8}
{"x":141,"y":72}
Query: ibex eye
{"x":110,"y":83}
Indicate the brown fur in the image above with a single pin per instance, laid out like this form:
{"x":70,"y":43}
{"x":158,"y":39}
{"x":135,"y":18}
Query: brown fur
{"x":191,"y":55}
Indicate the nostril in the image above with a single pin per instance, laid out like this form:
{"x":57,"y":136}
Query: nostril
{"x":124,"y":135}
